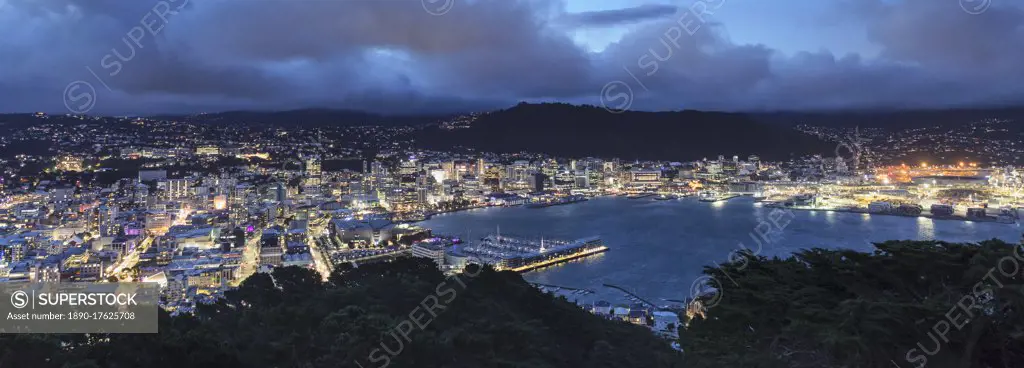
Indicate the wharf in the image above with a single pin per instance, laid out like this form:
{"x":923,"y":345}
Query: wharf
{"x":637,"y":297}
{"x":925,"y":215}
{"x":561,"y":287}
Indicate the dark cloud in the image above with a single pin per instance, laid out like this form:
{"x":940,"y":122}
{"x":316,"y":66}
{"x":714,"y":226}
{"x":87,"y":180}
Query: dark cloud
{"x":604,"y":18}
{"x":393,"y":56}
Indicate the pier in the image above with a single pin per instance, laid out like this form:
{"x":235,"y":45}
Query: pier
{"x":559,"y":259}
{"x":631,"y":294}
{"x":522,"y":255}
{"x":561,"y":287}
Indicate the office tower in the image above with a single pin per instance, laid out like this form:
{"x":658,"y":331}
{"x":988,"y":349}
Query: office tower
{"x":107,"y":220}
{"x":178,"y":188}
{"x":537,"y":182}
{"x":312,"y":164}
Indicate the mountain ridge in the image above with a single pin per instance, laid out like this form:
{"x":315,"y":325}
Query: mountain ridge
{"x":579,"y":131}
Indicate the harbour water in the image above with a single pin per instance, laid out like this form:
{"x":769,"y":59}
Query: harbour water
{"x":658,"y":248}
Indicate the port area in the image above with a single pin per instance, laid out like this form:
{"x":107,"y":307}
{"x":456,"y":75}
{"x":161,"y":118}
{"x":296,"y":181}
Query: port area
{"x":507,"y":253}
{"x":888,"y":213}
{"x":556,"y":202}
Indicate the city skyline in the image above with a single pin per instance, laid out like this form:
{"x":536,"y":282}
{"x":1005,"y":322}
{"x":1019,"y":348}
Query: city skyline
{"x":187,"y":56}
{"x":511,"y":183}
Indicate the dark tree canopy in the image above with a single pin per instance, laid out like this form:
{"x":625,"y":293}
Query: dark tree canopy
{"x":292,"y":318}
{"x":889,"y":308}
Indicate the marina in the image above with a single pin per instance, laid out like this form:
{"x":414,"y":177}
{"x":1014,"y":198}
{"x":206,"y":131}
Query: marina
{"x":522,"y":255}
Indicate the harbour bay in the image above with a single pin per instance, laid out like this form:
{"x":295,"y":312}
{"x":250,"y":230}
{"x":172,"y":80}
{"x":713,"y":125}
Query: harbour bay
{"x":658,"y":248}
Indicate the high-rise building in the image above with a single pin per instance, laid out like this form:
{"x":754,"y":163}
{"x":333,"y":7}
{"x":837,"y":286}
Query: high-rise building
{"x":178,"y":188}
{"x":537,"y":182}
{"x":107,"y":220}
{"x":313,"y":172}
{"x":582,"y":179}
{"x":407,"y":167}
{"x":280,"y":192}
{"x":157,"y":223}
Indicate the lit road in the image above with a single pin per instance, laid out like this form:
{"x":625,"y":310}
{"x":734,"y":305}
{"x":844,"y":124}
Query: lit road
{"x":321,"y":258}
{"x":131,"y":259}
{"x":250,"y":257}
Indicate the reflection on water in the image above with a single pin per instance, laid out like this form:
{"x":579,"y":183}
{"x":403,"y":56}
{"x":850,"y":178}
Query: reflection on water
{"x":925,"y":228}
{"x":657,"y":248}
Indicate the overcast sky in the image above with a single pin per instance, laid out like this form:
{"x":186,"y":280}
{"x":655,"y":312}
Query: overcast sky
{"x":401,"y":56}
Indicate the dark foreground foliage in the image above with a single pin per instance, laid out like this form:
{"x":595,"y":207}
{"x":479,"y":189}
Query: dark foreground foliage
{"x":293,"y":319}
{"x":907,"y":304}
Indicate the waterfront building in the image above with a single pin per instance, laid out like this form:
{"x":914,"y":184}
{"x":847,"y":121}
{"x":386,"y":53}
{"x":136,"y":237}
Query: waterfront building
{"x":432,"y":251}
{"x":537,"y":182}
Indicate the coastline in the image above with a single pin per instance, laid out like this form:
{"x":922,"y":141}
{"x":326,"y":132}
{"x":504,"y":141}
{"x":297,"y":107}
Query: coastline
{"x":925,"y":215}
{"x":839,"y":210}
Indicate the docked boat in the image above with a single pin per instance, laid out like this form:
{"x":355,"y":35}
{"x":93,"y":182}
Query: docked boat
{"x":909,"y":209}
{"x":941,"y":210}
{"x":707,"y":196}
{"x":880,"y":207}
{"x":664,"y":197}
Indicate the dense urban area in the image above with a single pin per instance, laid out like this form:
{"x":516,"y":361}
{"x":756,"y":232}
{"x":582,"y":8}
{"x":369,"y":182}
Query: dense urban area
{"x":199,"y":207}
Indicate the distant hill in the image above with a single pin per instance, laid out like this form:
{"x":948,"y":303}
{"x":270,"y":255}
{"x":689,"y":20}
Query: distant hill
{"x":577,"y":131}
{"x":305,"y":117}
{"x":903,"y":119}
